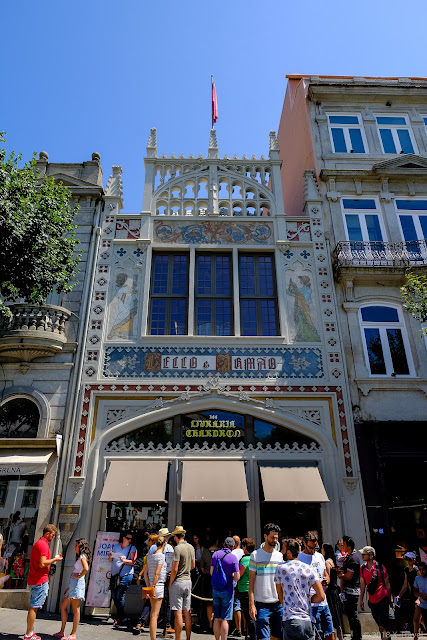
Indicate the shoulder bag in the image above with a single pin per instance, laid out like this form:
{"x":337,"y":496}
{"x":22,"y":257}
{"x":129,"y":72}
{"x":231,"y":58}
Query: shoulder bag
{"x":115,"y":580}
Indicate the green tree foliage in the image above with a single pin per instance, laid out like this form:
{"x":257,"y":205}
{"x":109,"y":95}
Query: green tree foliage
{"x":37,"y":241}
{"x":414,"y":294}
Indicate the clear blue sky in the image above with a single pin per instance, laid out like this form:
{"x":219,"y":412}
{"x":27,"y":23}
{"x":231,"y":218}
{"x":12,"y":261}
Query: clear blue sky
{"x":95,"y":75}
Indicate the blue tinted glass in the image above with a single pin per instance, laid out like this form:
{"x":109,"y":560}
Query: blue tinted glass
{"x":158,"y":317}
{"x":223,"y":318}
{"x":373,"y":225}
{"x":390,"y":120}
{"x":408,"y":228}
{"x":339,"y":141}
{"x":353,"y":227}
{"x":268,"y":318}
{"x":379,"y":314}
{"x":343,"y":120}
{"x":387,"y":140}
{"x":177,"y":326}
{"x":204,"y":315}
{"x":247,"y":275}
{"x":204,"y":273}
{"x":266,"y":282}
{"x":358,"y":204}
{"x":412,"y":205}
{"x":425,"y":120}
{"x":356,"y":141}
{"x":222,"y":280}
{"x":179,"y":281}
{"x":160,"y":278}
{"x":248,"y":315}
{"x":405,"y":141}
{"x":375,"y":351}
{"x":397,"y":351}
{"x":423,"y":223}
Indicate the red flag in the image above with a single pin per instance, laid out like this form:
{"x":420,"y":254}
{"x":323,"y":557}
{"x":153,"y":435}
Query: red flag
{"x":214,"y":103}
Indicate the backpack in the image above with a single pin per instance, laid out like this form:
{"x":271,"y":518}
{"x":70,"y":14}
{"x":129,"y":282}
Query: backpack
{"x":373,"y":584}
{"x":219,"y":579}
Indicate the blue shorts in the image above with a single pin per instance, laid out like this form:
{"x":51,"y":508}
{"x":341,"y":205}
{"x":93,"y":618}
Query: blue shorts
{"x":76,"y":588}
{"x":222,"y":604}
{"x":295,"y":629}
{"x":268,"y":620}
{"x":323,"y":620}
{"x":236,"y":602}
{"x":38,"y":594}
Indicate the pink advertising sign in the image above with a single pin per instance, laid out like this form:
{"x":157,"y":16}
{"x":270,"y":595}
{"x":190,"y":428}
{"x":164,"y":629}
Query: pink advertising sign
{"x":98,"y":594}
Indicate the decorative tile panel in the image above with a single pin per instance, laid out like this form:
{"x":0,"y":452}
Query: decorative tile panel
{"x":213,"y":232}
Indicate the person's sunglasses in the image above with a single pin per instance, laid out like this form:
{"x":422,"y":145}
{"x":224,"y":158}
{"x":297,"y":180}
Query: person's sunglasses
{"x":127,"y":538}
{"x":315,"y":548}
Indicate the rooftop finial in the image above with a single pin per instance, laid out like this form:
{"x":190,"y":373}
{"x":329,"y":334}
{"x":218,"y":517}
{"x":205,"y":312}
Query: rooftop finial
{"x":114,"y":185}
{"x":213,"y":145}
{"x":311,"y":191}
{"x":152,"y":143}
{"x":273,"y":141}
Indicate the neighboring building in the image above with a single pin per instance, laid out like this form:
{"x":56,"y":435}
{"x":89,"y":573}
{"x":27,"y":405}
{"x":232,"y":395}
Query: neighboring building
{"x":365,"y":141}
{"x":40,"y":360}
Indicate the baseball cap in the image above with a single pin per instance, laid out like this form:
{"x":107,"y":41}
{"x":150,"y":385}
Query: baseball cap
{"x":369,"y":550}
{"x":229,"y":542}
{"x":410,"y":554}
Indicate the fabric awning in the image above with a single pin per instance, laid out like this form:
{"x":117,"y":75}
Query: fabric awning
{"x":214,"y":481}
{"x":292,"y":483}
{"x":33,"y":464}
{"x":135,"y":481}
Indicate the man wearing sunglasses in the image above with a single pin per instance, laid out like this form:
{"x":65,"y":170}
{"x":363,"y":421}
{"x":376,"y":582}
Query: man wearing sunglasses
{"x":311,"y":556}
{"x":122,"y":558}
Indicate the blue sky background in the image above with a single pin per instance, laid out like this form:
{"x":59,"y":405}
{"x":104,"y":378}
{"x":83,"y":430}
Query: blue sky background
{"x":95,"y":75}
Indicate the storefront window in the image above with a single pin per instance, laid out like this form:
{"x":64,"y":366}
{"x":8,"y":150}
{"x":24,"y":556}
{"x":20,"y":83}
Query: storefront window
{"x":213,"y":427}
{"x":19,"y":418}
{"x":19,"y":504}
{"x":157,"y":433}
{"x":268,"y":433}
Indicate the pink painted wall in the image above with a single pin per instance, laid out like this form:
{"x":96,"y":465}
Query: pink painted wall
{"x":296,"y":146}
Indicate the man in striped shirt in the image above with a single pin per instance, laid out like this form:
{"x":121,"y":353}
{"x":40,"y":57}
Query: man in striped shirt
{"x":264,"y":605}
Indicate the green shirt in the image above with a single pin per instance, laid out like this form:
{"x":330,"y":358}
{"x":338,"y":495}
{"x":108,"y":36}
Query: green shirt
{"x":243,"y":584}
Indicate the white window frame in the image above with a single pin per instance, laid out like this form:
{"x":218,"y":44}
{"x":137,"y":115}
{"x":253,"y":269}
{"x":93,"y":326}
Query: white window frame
{"x":383,"y":326}
{"x":394,"y":128}
{"x":363,"y":212}
{"x":424,"y":117}
{"x":346,"y":128}
{"x":415,"y":213}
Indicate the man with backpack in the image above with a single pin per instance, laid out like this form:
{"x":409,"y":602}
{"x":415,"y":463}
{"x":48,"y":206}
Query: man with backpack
{"x":224,"y":574}
{"x":374,"y":577}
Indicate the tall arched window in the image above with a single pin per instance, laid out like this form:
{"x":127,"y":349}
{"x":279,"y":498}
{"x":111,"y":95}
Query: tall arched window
{"x":19,"y":418}
{"x":385,"y":341}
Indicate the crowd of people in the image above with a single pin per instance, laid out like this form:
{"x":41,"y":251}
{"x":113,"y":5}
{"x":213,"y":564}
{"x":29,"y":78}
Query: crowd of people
{"x":287,"y":589}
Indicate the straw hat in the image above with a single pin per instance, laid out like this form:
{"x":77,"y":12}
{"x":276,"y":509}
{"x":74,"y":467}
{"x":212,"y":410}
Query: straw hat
{"x":178,"y":529}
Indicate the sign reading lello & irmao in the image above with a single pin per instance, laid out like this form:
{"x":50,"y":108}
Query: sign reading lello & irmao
{"x":234,"y":362}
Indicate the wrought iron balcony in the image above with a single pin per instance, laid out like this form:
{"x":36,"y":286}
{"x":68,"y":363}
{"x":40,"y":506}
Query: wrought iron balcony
{"x":33,"y":331}
{"x":380,"y":254}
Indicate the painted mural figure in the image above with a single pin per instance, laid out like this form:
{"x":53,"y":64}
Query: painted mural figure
{"x":305,"y":329}
{"x":126,"y":302}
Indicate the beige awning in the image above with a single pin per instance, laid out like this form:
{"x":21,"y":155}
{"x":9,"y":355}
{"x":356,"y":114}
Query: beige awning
{"x":214,"y":481}
{"x":135,"y":481}
{"x":33,"y":464}
{"x":288,"y":483}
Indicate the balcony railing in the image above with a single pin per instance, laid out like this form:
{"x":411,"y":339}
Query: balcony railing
{"x":380,"y":254}
{"x":33,"y":331}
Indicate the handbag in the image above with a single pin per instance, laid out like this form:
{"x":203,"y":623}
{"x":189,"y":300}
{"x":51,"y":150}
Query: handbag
{"x":115,"y":580}
{"x":147,"y":592}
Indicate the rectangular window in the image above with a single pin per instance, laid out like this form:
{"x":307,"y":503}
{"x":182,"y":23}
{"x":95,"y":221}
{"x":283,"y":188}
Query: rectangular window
{"x":361,"y":224}
{"x":258,"y":299}
{"x":213,"y":303}
{"x":413,"y":222}
{"x":169,"y":293}
{"x":347,"y":135}
{"x":383,"y":329}
{"x":395,"y":134}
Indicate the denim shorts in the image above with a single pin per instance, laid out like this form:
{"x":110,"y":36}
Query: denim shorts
{"x":323,"y":620}
{"x":38,"y":594}
{"x":76,"y":588}
{"x":222,"y":604}
{"x":296,"y":629}
{"x":268,"y":620}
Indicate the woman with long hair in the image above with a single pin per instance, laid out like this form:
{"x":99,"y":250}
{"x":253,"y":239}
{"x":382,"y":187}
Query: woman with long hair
{"x":76,"y":588}
{"x":333,"y":589}
{"x":155,"y":576}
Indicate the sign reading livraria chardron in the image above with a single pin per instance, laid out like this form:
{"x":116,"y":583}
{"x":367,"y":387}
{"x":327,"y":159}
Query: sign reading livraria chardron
{"x":199,"y":362}
{"x":213,"y":428}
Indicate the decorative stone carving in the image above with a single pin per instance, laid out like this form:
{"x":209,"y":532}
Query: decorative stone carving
{"x":273,"y":141}
{"x":224,"y":446}
{"x":351,"y":484}
{"x":114,"y":186}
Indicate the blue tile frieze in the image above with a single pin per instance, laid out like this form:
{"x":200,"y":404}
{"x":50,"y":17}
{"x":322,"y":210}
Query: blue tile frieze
{"x":201,"y":362}
{"x":213,"y":232}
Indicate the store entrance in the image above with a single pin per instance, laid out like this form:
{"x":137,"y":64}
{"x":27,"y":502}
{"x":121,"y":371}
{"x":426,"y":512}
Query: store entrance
{"x":293,"y":518}
{"x":214,"y":520}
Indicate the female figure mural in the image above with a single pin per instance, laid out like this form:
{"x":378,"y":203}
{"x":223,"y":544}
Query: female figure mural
{"x":304,"y":326}
{"x":126,"y":304}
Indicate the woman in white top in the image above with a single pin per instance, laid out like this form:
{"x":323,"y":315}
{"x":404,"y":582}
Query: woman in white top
{"x":155,"y":576}
{"x":76,"y":589}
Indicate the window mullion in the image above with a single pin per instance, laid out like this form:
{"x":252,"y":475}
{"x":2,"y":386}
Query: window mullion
{"x":386,"y":350}
{"x":236,"y":291}
{"x":396,"y":140}
{"x":191,"y":283}
{"x":364,"y":227}
{"x":418,"y":228}
{"x":347,"y":138}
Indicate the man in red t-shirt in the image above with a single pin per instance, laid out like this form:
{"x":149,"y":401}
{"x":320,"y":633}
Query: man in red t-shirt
{"x":38,"y":577}
{"x":380,"y":597}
